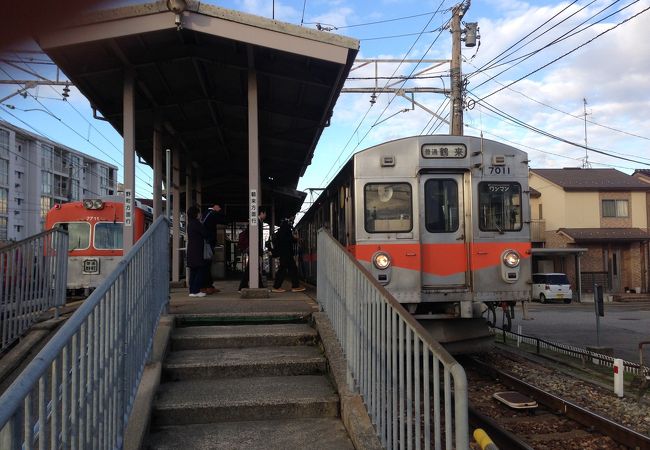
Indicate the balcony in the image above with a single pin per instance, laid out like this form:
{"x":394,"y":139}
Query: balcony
{"x":538,"y":231}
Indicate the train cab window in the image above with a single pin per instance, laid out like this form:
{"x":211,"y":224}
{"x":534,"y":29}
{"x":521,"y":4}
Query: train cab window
{"x":388,"y":207}
{"x":441,"y":205}
{"x":499,"y":206}
{"x":78,"y":234}
{"x":108,"y":236}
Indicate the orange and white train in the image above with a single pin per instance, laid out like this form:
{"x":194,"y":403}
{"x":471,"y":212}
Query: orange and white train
{"x":443,"y":222}
{"x":95,"y":245}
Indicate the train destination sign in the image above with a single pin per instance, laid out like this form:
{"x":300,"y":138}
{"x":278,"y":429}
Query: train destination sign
{"x":444,"y":151}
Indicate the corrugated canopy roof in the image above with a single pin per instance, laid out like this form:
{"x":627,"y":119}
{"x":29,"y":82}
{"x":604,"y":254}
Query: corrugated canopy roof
{"x":576,"y":179}
{"x":605,"y":234}
{"x":193,"y":82}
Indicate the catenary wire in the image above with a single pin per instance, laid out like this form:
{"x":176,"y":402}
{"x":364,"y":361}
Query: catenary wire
{"x":393,"y":96}
{"x":94,"y":128}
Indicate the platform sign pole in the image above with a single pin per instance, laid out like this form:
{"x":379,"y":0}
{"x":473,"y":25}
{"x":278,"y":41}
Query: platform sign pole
{"x":255,"y":191}
{"x":599,"y":308}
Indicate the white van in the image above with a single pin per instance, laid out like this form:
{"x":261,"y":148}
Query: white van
{"x":551,"y":286}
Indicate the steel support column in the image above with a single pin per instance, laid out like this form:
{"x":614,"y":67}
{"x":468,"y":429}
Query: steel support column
{"x":176,"y":214}
{"x":129,"y":158}
{"x":157,"y":173}
{"x":255,"y":193}
{"x":198,"y":187}
{"x":188,"y":203}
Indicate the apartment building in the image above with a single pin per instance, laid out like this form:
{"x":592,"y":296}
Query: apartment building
{"x":602,"y":210}
{"x":36,"y":173}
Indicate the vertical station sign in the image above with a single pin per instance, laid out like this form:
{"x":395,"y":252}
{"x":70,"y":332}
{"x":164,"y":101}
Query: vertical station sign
{"x":253,"y":208}
{"x":128,"y":208}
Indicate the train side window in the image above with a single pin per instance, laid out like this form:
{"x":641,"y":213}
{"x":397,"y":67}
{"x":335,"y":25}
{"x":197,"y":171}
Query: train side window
{"x":441,"y":205}
{"x":78,"y":234}
{"x":108,"y":236}
{"x":388,"y":207}
{"x":499,"y":206}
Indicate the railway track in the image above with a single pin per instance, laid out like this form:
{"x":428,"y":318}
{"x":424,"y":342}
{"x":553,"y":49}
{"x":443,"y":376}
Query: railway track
{"x":556,"y":423}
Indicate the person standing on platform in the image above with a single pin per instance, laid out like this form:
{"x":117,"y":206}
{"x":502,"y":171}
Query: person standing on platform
{"x":196,"y":235}
{"x":285,"y":242}
{"x":212,"y":218}
{"x":261,"y":217}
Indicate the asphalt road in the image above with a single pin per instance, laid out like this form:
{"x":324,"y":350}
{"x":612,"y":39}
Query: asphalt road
{"x":622,"y":328}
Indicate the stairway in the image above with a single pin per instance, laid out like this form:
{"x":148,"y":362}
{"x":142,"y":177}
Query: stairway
{"x":260,"y":386}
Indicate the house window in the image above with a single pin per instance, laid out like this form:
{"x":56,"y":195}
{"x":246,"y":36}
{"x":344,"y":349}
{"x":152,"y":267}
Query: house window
{"x":4,"y":193}
{"x":47,"y":152}
{"x":4,"y":144}
{"x":46,"y":204}
{"x":3,"y":228}
{"x":46,"y":182}
{"x":4,"y":171}
{"x":615,"y":208}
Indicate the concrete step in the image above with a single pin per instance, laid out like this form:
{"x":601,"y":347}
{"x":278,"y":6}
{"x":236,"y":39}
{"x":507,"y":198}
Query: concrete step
{"x":243,"y":336}
{"x":244,"y":362}
{"x":315,"y":434}
{"x":241,"y":399}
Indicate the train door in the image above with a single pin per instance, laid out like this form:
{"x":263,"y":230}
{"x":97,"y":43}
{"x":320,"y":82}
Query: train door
{"x":442,"y":231}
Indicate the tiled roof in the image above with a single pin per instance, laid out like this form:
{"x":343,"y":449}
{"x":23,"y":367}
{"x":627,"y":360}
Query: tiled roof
{"x":577,"y":179}
{"x":605,"y":234}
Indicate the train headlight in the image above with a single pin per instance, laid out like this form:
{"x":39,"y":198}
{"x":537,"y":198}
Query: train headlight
{"x":381,"y":260}
{"x":93,"y":203}
{"x":511,"y":258}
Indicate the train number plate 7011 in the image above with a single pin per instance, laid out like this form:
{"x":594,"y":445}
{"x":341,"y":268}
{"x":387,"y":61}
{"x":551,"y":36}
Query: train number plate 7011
{"x":91,"y":266}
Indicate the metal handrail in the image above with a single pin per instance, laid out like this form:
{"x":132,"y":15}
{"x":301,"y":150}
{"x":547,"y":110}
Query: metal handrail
{"x":32,"y":280}
{"x":391,"y":360}
{"x":569,"y":350}
{"x":78,"y":391}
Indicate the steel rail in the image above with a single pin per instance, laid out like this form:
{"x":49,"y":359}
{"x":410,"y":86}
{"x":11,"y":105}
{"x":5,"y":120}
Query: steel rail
{"x":617,"y":432}
{"x":496,"y":432}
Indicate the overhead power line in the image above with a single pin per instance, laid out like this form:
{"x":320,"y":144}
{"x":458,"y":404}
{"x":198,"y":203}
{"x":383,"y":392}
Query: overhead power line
{"x":523,"y":124}
{"x":341,"y":27}
{"x":580,"y":117}
{"x":564,"y":54}
{"x":334,"y":165}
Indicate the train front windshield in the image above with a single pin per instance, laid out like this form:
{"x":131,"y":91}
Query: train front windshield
{"x":78,"y":234}
{"x":387,"y":207}
{"x":499,"y":206}
{"x":108,"y":236}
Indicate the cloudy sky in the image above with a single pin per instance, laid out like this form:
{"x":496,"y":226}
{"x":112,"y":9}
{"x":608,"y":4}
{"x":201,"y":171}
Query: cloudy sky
{"x":527,"y":81}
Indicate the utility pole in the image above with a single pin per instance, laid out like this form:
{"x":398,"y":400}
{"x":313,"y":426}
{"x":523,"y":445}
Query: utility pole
{"x":396,"y":84}
{"x":585,"y":164}
{"x":456,"y":97}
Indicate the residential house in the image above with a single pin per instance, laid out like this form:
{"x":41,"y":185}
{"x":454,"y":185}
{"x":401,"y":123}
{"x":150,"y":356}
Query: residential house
{"x":602,"y":210}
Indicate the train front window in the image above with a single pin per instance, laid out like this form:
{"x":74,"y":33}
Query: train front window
{"x":78,"y":234}
{"x":441,"y":205}
{"x":499,"y":206}
{"x":108,"y":236}
{"x":388,"y":207}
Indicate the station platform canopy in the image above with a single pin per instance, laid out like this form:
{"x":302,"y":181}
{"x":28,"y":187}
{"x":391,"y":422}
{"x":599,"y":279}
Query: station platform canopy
{"x":190,"y":62}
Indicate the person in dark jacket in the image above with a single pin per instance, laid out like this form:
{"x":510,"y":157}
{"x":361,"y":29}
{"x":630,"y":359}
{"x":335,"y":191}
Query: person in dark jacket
{"x":196,"y":234}
{"x":212,"y":218}
{"x":261,"y":217}
{"x":285,"y":242}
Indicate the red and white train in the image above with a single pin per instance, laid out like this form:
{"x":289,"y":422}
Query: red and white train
{"x":95,"y":245}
